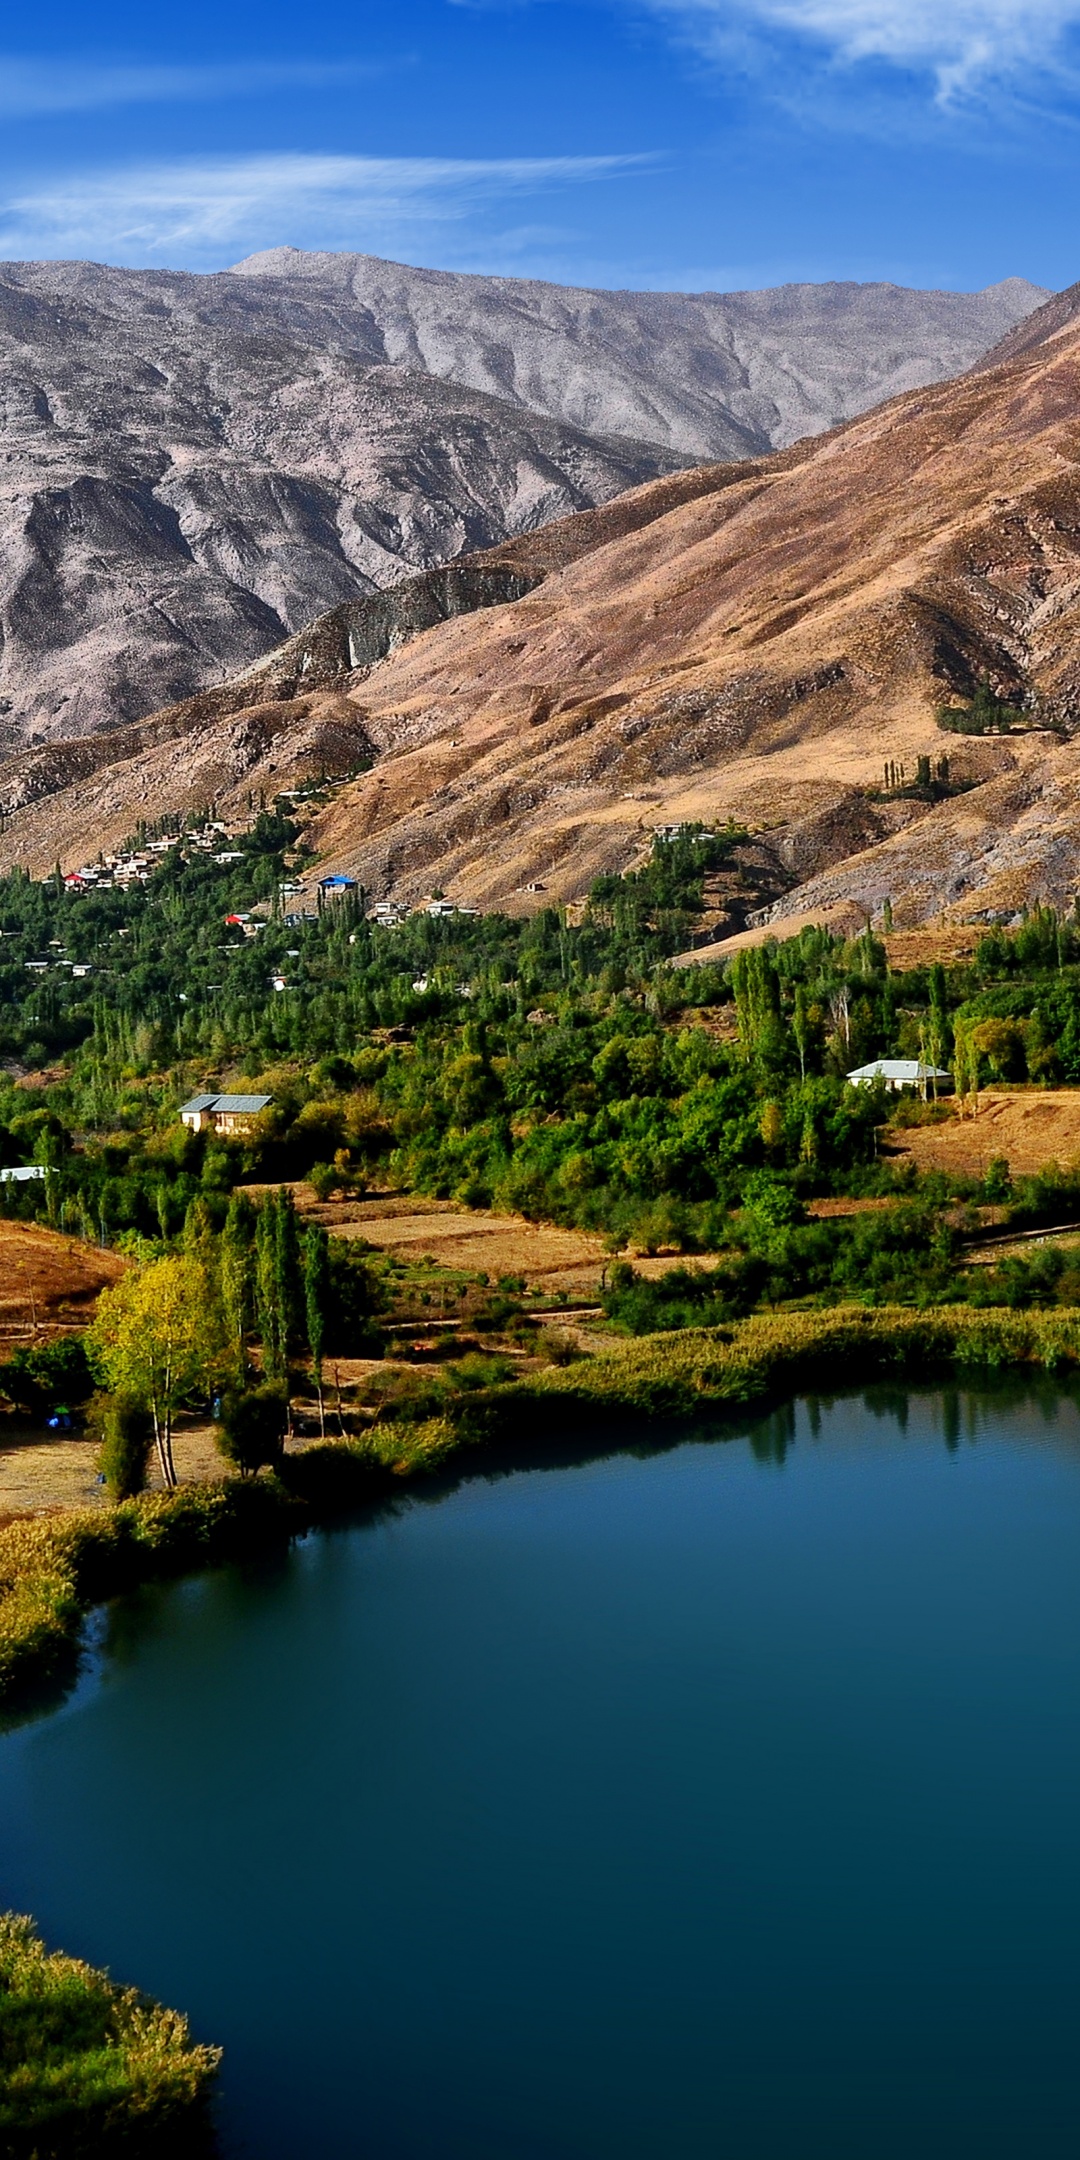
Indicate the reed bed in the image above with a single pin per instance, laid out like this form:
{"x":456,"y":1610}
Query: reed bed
{"x":691,"y":1370}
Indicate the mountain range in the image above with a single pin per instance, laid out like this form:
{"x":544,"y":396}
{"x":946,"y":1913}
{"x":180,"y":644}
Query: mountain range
{"x":765,"y":640}
{"x":196,"y":466}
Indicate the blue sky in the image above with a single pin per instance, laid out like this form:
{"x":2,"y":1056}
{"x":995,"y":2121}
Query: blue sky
{"x":678,"y":143}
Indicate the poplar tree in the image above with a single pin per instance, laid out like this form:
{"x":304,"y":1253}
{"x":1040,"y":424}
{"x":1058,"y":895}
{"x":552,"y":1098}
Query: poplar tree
{"x":800,"y":1028}
{"x":290,"y":1283}
{"x":266,"y":1290}
{"x":236,"y":1272}
{"x":316,"y":1262}
{"x":939,"y":1033}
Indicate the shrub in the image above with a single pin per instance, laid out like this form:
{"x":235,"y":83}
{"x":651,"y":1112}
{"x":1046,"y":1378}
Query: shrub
{"x":252,"y":1427}
{"x":36,"y":1378}
{"x":92,"y":2069}
{"x":480,"y":1370}
{"x":127,"y":1431}
{"x":557,"y":1346}
{"x":323,"y":1180}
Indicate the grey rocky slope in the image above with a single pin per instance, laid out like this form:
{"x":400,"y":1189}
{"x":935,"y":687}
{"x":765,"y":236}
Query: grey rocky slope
{"x":714,"y":375}
{"x":185,"y":481}
{"x":194,"y":467}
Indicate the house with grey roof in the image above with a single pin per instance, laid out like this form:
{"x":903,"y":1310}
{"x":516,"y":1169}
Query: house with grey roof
{"x":898,"y":1073}
{"x":222,"y":1113}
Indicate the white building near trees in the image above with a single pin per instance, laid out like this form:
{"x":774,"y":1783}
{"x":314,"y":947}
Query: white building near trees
{"x":222,"y":1113}
{"x":899,"y":1073}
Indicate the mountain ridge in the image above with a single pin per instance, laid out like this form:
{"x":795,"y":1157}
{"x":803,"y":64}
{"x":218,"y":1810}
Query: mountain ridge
{"x":197,"y":466}
{"x":756,"y":640}
{"x":710,"y":375}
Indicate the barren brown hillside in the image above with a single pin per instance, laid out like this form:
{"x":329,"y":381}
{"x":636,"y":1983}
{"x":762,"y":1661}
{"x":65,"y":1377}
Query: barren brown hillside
{"x":47,"y":1281}
{"x":751,"y":640}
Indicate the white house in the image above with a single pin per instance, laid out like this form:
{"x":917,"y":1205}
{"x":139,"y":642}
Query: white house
{"x":900,"y":1073}
{"x":222,"y":1113}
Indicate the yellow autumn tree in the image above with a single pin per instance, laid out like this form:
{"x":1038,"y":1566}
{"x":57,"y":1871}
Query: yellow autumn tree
{"x":157,"y":1340}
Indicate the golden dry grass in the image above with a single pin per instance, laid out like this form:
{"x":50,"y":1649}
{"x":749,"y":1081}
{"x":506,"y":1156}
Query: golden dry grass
{"x":39,"y":1471}
{"x":48,"y":1281}
{"x":947,"y":944}
{"x":475,"y":1240}
{"x":1030,"y":1127}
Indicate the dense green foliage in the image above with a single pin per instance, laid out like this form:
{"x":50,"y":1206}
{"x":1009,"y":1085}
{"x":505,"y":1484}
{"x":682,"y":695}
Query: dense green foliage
{"x":43,"y":1376}
{"x":127,"y":1431}
{"x":983,"y":714}
{"x":562,"y":1068}
{"x":253,"y":1426}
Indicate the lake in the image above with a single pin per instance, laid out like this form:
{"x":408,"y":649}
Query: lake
{"x":713,"y":1802}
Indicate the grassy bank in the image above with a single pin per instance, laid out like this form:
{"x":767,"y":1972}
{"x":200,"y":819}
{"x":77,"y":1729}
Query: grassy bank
{"x":694,"y":1370}
{"x":88,"y":2068}
{"x":53,"y":1568}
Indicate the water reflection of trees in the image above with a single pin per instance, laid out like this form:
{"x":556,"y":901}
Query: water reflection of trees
{"x":771,"y":1438}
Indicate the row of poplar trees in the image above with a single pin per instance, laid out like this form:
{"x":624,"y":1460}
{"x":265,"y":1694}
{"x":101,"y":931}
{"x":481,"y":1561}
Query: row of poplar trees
{"x":274,"y":1283}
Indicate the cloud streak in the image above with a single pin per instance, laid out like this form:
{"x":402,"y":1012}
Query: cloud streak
{"x":205,"y":214}
{"x":959,"y":43}
{"x":32,"y":89}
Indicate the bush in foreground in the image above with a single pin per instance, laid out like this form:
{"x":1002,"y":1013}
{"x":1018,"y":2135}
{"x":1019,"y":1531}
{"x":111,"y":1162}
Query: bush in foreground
{"x":89,"y":2068}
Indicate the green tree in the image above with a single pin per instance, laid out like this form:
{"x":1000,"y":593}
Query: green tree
{"x":316,"y":1263}
{"x":290,"y":1280}
{"x":252,"y":1426}
{"x":236,"y":1278}
{"x":270,"y":1318}
{"x":800,"y":1028}
{"x":127,"y":1432}
{"x":938,"y":1033}
{"x":156,"y":1342}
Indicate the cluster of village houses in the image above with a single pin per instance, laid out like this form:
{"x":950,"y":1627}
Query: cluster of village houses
{"x":133,"y":866}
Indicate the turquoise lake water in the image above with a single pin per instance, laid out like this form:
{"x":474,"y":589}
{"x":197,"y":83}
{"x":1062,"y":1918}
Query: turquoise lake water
{"x":712,"y":1803}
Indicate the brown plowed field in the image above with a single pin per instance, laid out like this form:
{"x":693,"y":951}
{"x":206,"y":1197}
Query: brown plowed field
{"x":1030,"y":1127}
{"x":474,"y":1239}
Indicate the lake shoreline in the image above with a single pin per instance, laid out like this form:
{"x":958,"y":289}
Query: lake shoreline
{"x":54,"y":1569}
{"x":890,"y":1585}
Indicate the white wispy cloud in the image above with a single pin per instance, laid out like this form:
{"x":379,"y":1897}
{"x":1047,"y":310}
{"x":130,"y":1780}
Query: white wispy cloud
{"x":959,"y":43}
{"x":32,"y":88}
{"x":206,"y":213}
